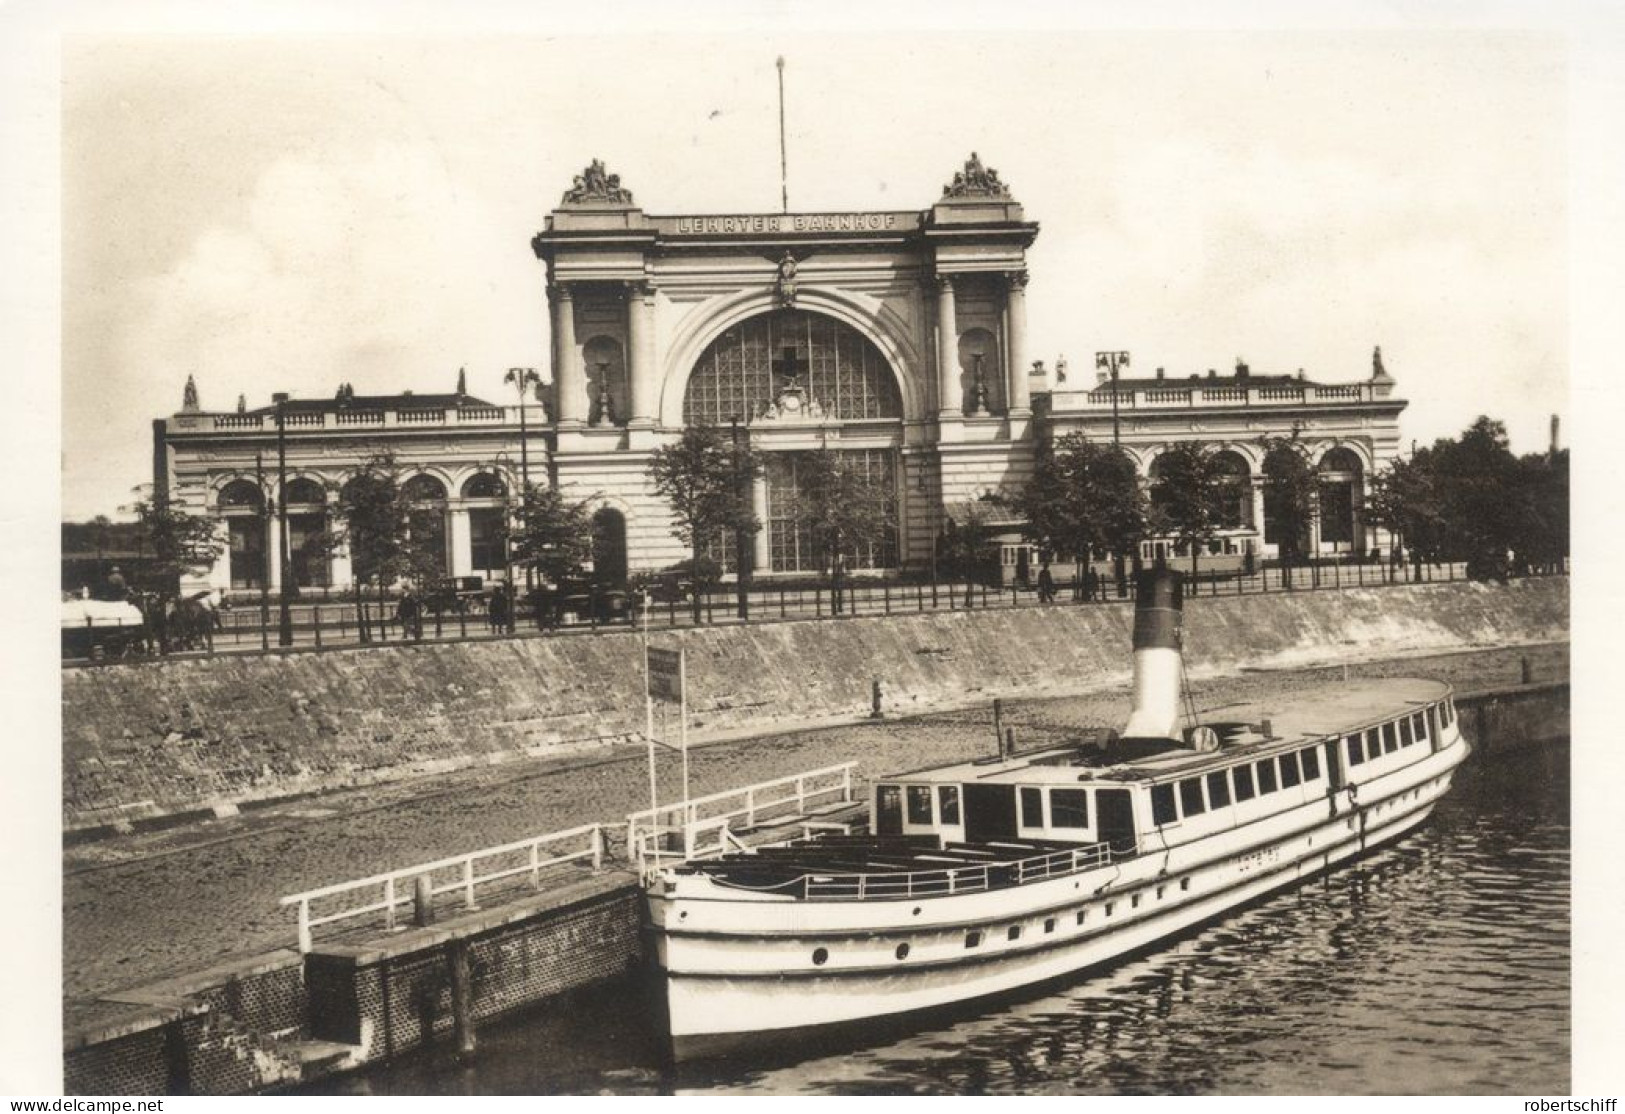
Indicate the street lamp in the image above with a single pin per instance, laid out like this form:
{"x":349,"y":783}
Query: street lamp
{"x":524,"y":379}
{"x":742,"y":543}
{"x":1112,"y":362}
{"x":284,"y":635}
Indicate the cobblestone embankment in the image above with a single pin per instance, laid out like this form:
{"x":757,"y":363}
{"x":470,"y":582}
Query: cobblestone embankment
{"x":168,"y":737}
{"x":151,"y":904}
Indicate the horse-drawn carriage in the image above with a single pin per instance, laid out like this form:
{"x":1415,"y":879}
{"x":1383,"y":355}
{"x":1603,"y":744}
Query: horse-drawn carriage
{"x":98,"y":629}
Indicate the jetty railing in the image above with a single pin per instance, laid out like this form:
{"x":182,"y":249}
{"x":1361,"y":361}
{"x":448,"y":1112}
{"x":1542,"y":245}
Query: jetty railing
{"x":950,"y":880}
{"x":464,"y":874}
{"x":704,"y":826}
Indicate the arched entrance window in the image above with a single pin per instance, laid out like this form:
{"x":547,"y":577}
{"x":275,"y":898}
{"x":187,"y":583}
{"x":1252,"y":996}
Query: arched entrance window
{"x":1341,"y":491}
{"x":242,"y":505}
{"x":791,"y":544}
{"x":1235,"y":491}
{"x":744,"y":373}
{"x":609,"y":547}
{"x":427,"y":519}
{"x":307,"y":527}
{"x":486,"y":497}
{"x":981,"y":375}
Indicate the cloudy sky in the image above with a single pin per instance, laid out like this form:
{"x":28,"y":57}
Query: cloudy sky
{"x":283,"y":213}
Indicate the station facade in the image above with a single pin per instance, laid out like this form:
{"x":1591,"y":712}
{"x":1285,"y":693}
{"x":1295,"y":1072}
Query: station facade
{"x":898,"y":338}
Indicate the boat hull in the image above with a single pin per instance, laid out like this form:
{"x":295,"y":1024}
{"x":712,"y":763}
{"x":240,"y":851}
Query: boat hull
{"x":738,"y":973}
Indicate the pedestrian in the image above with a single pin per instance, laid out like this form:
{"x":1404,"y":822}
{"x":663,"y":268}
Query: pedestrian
{"x":837,"y":580}
{"x":1046,"y":584}
{"x":410,"y":613}
{"x":497,"y":611}
{"x":1248,"y":561}
{"x":1091,"y":582}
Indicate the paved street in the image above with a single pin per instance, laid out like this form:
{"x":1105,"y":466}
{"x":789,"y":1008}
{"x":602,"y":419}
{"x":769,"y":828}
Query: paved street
{"x":153,"y":904}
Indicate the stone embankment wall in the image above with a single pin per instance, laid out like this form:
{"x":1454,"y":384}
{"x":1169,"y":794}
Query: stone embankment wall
{"x":159,"y":738}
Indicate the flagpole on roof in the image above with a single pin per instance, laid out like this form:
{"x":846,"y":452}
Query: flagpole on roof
{"x":784,"y":165}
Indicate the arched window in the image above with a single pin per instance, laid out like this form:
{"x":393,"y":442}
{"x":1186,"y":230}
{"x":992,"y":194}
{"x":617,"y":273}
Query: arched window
{"x":981,"y":375}
{"x":305,"y":491}
{"x":484,"y":485}
{"x":241,"y":495}
{"x":424,"y":489}
{"x":746,"y":370}
{"x":1341,"y":490}
{"x":609,"y":546}
{"x":1236,"y":492}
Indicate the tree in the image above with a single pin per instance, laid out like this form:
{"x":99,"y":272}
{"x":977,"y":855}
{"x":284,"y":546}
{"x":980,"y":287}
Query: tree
{"x":180,"y":542}
{"x":1291,"y":497}
{"x":1082,"y":498}
{"x":1404,"y":499}
{"x":968,"y":548}
{"x":373,"y":520}
{"x":842,"y":507}
{"x":1187,"y":495}
{"x":551,"y":535}
{"x":706,"y":478}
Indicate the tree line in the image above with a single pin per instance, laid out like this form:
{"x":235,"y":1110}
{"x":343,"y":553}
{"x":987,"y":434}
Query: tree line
{"x":1466,"y":498}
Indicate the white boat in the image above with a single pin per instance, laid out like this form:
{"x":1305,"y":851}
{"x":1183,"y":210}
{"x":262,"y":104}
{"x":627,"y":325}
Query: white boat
{"x":985,"y":877}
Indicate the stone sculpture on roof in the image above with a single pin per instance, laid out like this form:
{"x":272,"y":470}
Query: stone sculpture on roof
{"x":189,"y":396}
{"x":976,"y":180}
{"x":596,"y":184}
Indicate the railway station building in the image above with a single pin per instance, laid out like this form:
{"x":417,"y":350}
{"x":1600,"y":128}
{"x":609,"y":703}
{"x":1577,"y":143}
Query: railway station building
{"x":897,"y":337}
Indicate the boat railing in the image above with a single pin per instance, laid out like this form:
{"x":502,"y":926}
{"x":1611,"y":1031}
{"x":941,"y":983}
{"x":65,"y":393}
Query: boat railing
{"x":951,"y":880}
{"x":703,"y":827}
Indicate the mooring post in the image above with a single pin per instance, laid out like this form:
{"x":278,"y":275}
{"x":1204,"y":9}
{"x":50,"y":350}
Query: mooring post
{"x":462,"y":997}
{"x":998,"y":725}
{"x":874,"y":701}
{"x":422,"y":901}
{"x":1527,"y":670}
{"x":1009,"y":740}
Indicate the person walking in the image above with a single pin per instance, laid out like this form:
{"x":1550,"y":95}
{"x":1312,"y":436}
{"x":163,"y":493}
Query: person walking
{"x":1046,"y":585}
{"x":410,"y":613}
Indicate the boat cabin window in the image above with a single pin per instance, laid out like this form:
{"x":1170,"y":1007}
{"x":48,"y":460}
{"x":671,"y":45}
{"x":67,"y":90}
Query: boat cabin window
{"x":919,"y":804}
{"x":1162,"y":805}
{"x":1244,"y":783}
{"x":1373,"y":743}
{"x":1218,"y":788}
{"x":948,"y":803}
{"x":1069,"y":808}
{"x":889,"y":810}
{"x":1032,"y":806}
{"x":1311,"y":763}
{"x":1190,"y":797}
{"x":1289,"y":770}
{"x":1405,"y":736}
{"x":1390,"y":743}
{"x":1449,"y":712}
{"x":1419,"y":724}
{"x":1266,"y":776}
{"x":1356,"y":750}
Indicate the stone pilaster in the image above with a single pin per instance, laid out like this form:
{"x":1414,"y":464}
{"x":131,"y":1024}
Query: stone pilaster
{"x":760,"y":557}
{"x":640,"y":336}
{"x":949,"y":401}
{"x":462,"y":548}
{"x":1017,"y":389}
{"x":570,"y":382}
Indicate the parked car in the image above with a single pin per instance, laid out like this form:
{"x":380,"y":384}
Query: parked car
{"x":458,"y":594}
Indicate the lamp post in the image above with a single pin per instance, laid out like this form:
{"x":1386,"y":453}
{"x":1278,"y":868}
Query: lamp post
{"x":524,"y":379}
{"x":1113,"y":362}
{"x":265,"y":555}
{"x":284,"y":634}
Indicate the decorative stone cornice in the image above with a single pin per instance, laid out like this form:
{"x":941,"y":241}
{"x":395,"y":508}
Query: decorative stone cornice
{"x":976,"y":180}
{"x":596,"y":186}
{"x":1016,"y":280}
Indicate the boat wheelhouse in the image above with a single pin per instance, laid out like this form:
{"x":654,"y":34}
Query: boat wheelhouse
{"x":983,"y":877}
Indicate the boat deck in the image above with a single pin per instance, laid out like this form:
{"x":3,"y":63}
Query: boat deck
{"x":836,"y":866}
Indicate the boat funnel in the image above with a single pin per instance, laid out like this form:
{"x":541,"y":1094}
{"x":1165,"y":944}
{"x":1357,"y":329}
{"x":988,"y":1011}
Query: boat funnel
{"x":1158,"y":608}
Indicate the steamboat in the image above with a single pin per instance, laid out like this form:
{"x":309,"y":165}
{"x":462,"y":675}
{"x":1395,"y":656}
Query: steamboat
{"x":983,"y":878}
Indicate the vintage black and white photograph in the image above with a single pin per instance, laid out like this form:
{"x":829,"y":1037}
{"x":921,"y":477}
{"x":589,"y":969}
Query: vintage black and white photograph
{"x":1022,"y":555}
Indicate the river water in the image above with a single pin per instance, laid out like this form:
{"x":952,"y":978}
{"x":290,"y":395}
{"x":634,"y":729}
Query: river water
{"x":1438,"y":965}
